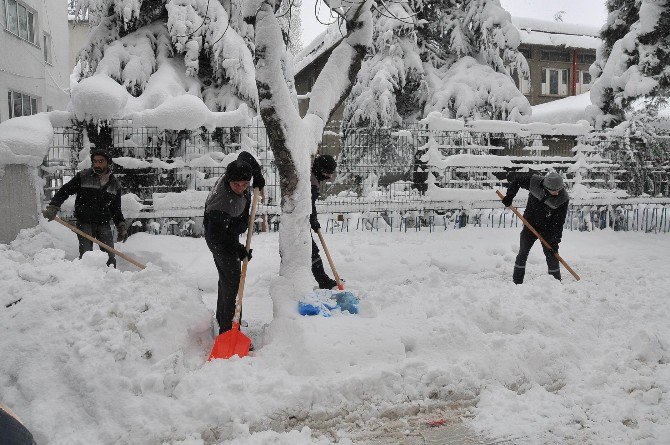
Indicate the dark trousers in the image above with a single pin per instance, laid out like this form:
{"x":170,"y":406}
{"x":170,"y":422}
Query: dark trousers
{"x":12,"y":432}
{"x":527,"y":241}
{"x":320,"y":275}
{"x":101,"y":232}
{"x":228,"y":265}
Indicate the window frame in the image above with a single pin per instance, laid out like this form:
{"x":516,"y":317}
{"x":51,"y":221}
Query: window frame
{"x":562,"y":81}
{"x":546,"y":55}
{"x":47,"y":50}
{"x":17,"y":98}
{"x":29,"y":34}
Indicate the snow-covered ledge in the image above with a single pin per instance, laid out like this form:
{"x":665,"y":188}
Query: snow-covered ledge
{"x":24,"y":142}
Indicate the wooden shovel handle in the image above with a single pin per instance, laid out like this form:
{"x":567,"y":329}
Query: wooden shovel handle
{"x":546,"y":244}
{"x":340,"y":286}
{"x":245,"y":263}
{"x":100,"y":243}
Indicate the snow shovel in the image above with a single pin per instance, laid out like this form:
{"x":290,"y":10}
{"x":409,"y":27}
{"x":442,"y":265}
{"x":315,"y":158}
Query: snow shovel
{"x":234,"y":342}
{"x":320,"y":302}
{"x":546,"y":244}
{"x":100,"y":243}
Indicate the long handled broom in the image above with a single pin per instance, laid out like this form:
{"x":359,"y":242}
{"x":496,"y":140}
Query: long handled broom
{"x":100,"y":243}
{"x":546,"y":244}
{"x":234,"y":342}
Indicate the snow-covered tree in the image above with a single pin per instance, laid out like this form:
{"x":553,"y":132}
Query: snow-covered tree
{"x":227,"y":55}
{"x":633,"y":62}
{"x":294,"y":139}
{"x":291,"y":23}
{"x":162,"y":48}
{"x":452,"y":56}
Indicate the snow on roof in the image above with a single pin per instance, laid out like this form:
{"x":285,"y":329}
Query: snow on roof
{"x":568,"y":110}
{"x":530,"y":24}
{"x":320,"y":45}
{"x":544,"y":32}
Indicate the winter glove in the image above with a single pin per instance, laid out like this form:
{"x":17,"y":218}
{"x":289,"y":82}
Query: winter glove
{"x":50,"y":212}
{"x":507,"y":200}
{"x":259,"y":180}
{"x":122,"y":232}
{"x":242,"y":252}
{"x":314,"y":223}
{"x":500,"y":175}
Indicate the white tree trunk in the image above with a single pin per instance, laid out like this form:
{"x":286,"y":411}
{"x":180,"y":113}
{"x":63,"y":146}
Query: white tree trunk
{"x":293,"y":140}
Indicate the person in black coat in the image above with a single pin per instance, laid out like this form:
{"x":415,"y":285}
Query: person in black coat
{"x":546,"y":210}
{"x":226,"y":218}
{"x":98,"y":201}
{"x":323,"y":168}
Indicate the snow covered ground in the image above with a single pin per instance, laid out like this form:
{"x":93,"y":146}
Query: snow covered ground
{"x":95,"y":355}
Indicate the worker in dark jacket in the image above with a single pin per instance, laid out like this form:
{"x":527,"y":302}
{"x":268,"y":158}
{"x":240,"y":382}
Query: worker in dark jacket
{"x":98,"y":201}
{"x":323,"y":168}
{"x":546,"y":210}
{"x":226,"y":218}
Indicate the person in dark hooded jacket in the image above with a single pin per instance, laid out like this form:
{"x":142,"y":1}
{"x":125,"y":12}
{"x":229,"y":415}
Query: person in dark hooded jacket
{"x":323,"y":168}
{"x":546,"y":210}
{"x":98,"y":201}
{"x":226,"y":218}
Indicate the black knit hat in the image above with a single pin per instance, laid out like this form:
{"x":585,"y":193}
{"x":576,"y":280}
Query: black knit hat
{"x":238,"y":171}
{"x":324,"y":164}
{"x":100,"y":152}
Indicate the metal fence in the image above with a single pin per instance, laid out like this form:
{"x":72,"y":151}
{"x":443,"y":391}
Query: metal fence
{"x":380,"y":172}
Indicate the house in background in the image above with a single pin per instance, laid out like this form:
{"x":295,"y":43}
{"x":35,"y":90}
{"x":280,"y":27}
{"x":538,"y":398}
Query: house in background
{"x":558,"y":54}
{"x":34,"y":69}
{"x":78,"y":30}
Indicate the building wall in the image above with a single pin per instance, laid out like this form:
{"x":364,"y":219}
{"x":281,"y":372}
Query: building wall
{"x":537,"y":63}
{"x":78,"y":36}
{"x":23,"y":68}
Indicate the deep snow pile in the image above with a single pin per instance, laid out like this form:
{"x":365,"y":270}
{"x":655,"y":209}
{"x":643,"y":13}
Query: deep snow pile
{"x":95,"y":355}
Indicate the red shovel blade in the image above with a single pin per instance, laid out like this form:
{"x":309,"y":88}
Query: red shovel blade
{"x":230,"y":343}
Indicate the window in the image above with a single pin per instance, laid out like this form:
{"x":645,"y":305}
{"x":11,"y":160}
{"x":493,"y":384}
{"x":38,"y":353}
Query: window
{"x":554,"y":82}
{"x":586,"y":57}
{"x":46,"y":47}
{"x":555,"y":55}
{"x":21,"y":104}
{"x":527,"y":53}
{"x":583,"y":82}
{"x":20,"y":20}
{"x":522,"y":82}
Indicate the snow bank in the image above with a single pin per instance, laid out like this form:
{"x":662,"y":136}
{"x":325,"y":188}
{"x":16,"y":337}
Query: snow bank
{"x":554,"y":127}
{"x":188,"y":112}
{"x":96,"y":355}
{"x":25,"y":140}
{"x":437,"y":122}
{"x":187,"y":199}
{"x":98,"y":97}
{"x":465,"y":160}
{"x":567,"y":110}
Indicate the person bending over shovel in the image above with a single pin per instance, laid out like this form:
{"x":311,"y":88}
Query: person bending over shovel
{"x":323,"y":168}
{"x":546,"y":210}
{"x":98,"y":201}
{"x":226,"y":218}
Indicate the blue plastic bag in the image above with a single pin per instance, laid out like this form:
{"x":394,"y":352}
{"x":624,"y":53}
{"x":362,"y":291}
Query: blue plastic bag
{"x":326,"y":302}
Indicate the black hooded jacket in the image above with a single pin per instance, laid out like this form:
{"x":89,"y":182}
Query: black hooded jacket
{"x":95,"y":203}
{"x":546,"y":213}
{"x":226,"y":213}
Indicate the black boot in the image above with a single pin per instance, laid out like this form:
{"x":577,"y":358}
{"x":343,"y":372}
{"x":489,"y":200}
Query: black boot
{"x":556,"y":274}
{"x":519,"y":272}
